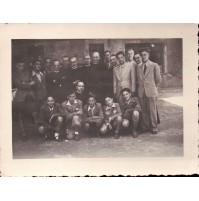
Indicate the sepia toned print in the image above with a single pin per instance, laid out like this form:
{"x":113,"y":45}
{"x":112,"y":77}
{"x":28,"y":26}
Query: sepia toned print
{"x":53,"y":80}
{"x":116,"y":100}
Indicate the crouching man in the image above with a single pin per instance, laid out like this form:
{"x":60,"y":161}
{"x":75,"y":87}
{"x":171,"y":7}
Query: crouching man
{"x":130,"y":110}
{"x":112,"y":117}
{"x":73,"y":114}
{"x":51,"y":119}
{"x":93,"y":115}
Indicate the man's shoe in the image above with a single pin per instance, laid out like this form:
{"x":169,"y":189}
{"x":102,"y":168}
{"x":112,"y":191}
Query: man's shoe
{"x":76,"y":137}
{"x":154,"y":132}
{"x":57,"y":137}
{"x":117,"y":135}
{"x":135,"y":134}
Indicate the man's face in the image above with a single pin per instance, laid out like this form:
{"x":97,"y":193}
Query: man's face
{"x":50,"y":102}
{"x":71,"y":98}
{"x":121,"y":59}
{"x":114,"y":60}
{"x":48,"y":61}
{"x":20,"y":66}
{"x":87,"y":60}
{"x":65,"y":61}
{"x":56,"y":65}
{"x":107,"y":56}
{"x":130,"y":55}
{"x":80,"y":87}
{"x":95,"y":58}
{"x":137,"y":58}
{"x":126,"y":95}
{"x":37,"y":66}
{"x":109,"y":101}
{"x":91,"y":102}
{"x":73,"y":63}
{"x":145,"y":56}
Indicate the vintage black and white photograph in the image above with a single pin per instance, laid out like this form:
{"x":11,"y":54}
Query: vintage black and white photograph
{"x":97,"y":98}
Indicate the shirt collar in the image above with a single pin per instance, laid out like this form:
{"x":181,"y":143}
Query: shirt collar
{"x":91,"y":108}
{"x":68,"y":103}
{"x":51,"y":108}
{"x":113,"y":106}
{"x":33,"y":73}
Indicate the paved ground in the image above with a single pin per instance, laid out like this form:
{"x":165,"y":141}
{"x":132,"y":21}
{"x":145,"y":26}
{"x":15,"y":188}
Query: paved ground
{"x":168,"y":142}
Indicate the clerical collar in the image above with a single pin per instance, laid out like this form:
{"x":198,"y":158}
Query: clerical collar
{"x":74,"y":68}
{"x":78,"y":92}
{"x":87,"y":65}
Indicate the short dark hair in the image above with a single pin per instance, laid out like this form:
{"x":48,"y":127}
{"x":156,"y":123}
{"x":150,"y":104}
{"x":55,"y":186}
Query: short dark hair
{"x":125,"y":89}
{"x":107,"y":51}
{"x":73,"y":57}
{"x":91,"y":96}
{"x":65,"y":56}
{"x":136,"y":53}
{"x":36,"y":60}
{"x":50,"y":96}
{"x":71,"y":91}
{"x":113,"y":55}
{"x":78,"y":82}
{"x":108,"y":95}
{"x":120,"y":52}
{"x":145,"y":50}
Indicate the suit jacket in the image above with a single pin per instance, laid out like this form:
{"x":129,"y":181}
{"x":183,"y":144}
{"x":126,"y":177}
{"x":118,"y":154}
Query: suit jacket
{"x":71,"y":110}
{"x":56,"y":85}
{"x":21,"y":80}
{"x":39,"y":88}
{"x":45,"y":113}
{"x":148,"y":82}
{"x":126,"y":79}
{"x":96,"y":112}
{"x":83,"y":97}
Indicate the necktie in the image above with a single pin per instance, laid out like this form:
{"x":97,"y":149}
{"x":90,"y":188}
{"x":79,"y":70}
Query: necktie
{"x":145,"y":69}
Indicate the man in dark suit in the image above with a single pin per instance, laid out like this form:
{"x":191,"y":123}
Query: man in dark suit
{"x":51,"y":119}
{"x":148,"y":78}
{"x":24,"y":98}
{"x":74,"y":73}
{"x":93,"y":115}
{"x":94,"y":75}
{"x":80,"y":92}
{"x":48,"y":66}
{"x":56,"y":83}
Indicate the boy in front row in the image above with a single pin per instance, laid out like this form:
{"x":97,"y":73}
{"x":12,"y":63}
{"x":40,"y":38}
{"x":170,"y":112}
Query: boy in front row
{"x":73,"y":114}
{"x":130,"y":111}
{"x":93,"y":115}
{"x":51,"y":119}
{"x":112,"y":117}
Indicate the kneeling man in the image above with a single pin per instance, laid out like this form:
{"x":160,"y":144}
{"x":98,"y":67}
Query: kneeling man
{"x":50,"y":119}
{"x":93,"y":115}
{"x":130,"y":110}
{"x":113,"y":117}
{"x":73,"y":113}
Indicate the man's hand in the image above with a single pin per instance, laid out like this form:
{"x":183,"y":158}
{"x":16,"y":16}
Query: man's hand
{"x":51,"y":118}
{"x":32,"y":83}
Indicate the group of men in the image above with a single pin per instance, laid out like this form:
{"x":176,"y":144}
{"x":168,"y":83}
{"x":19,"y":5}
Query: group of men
{"x":64,"y":97}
